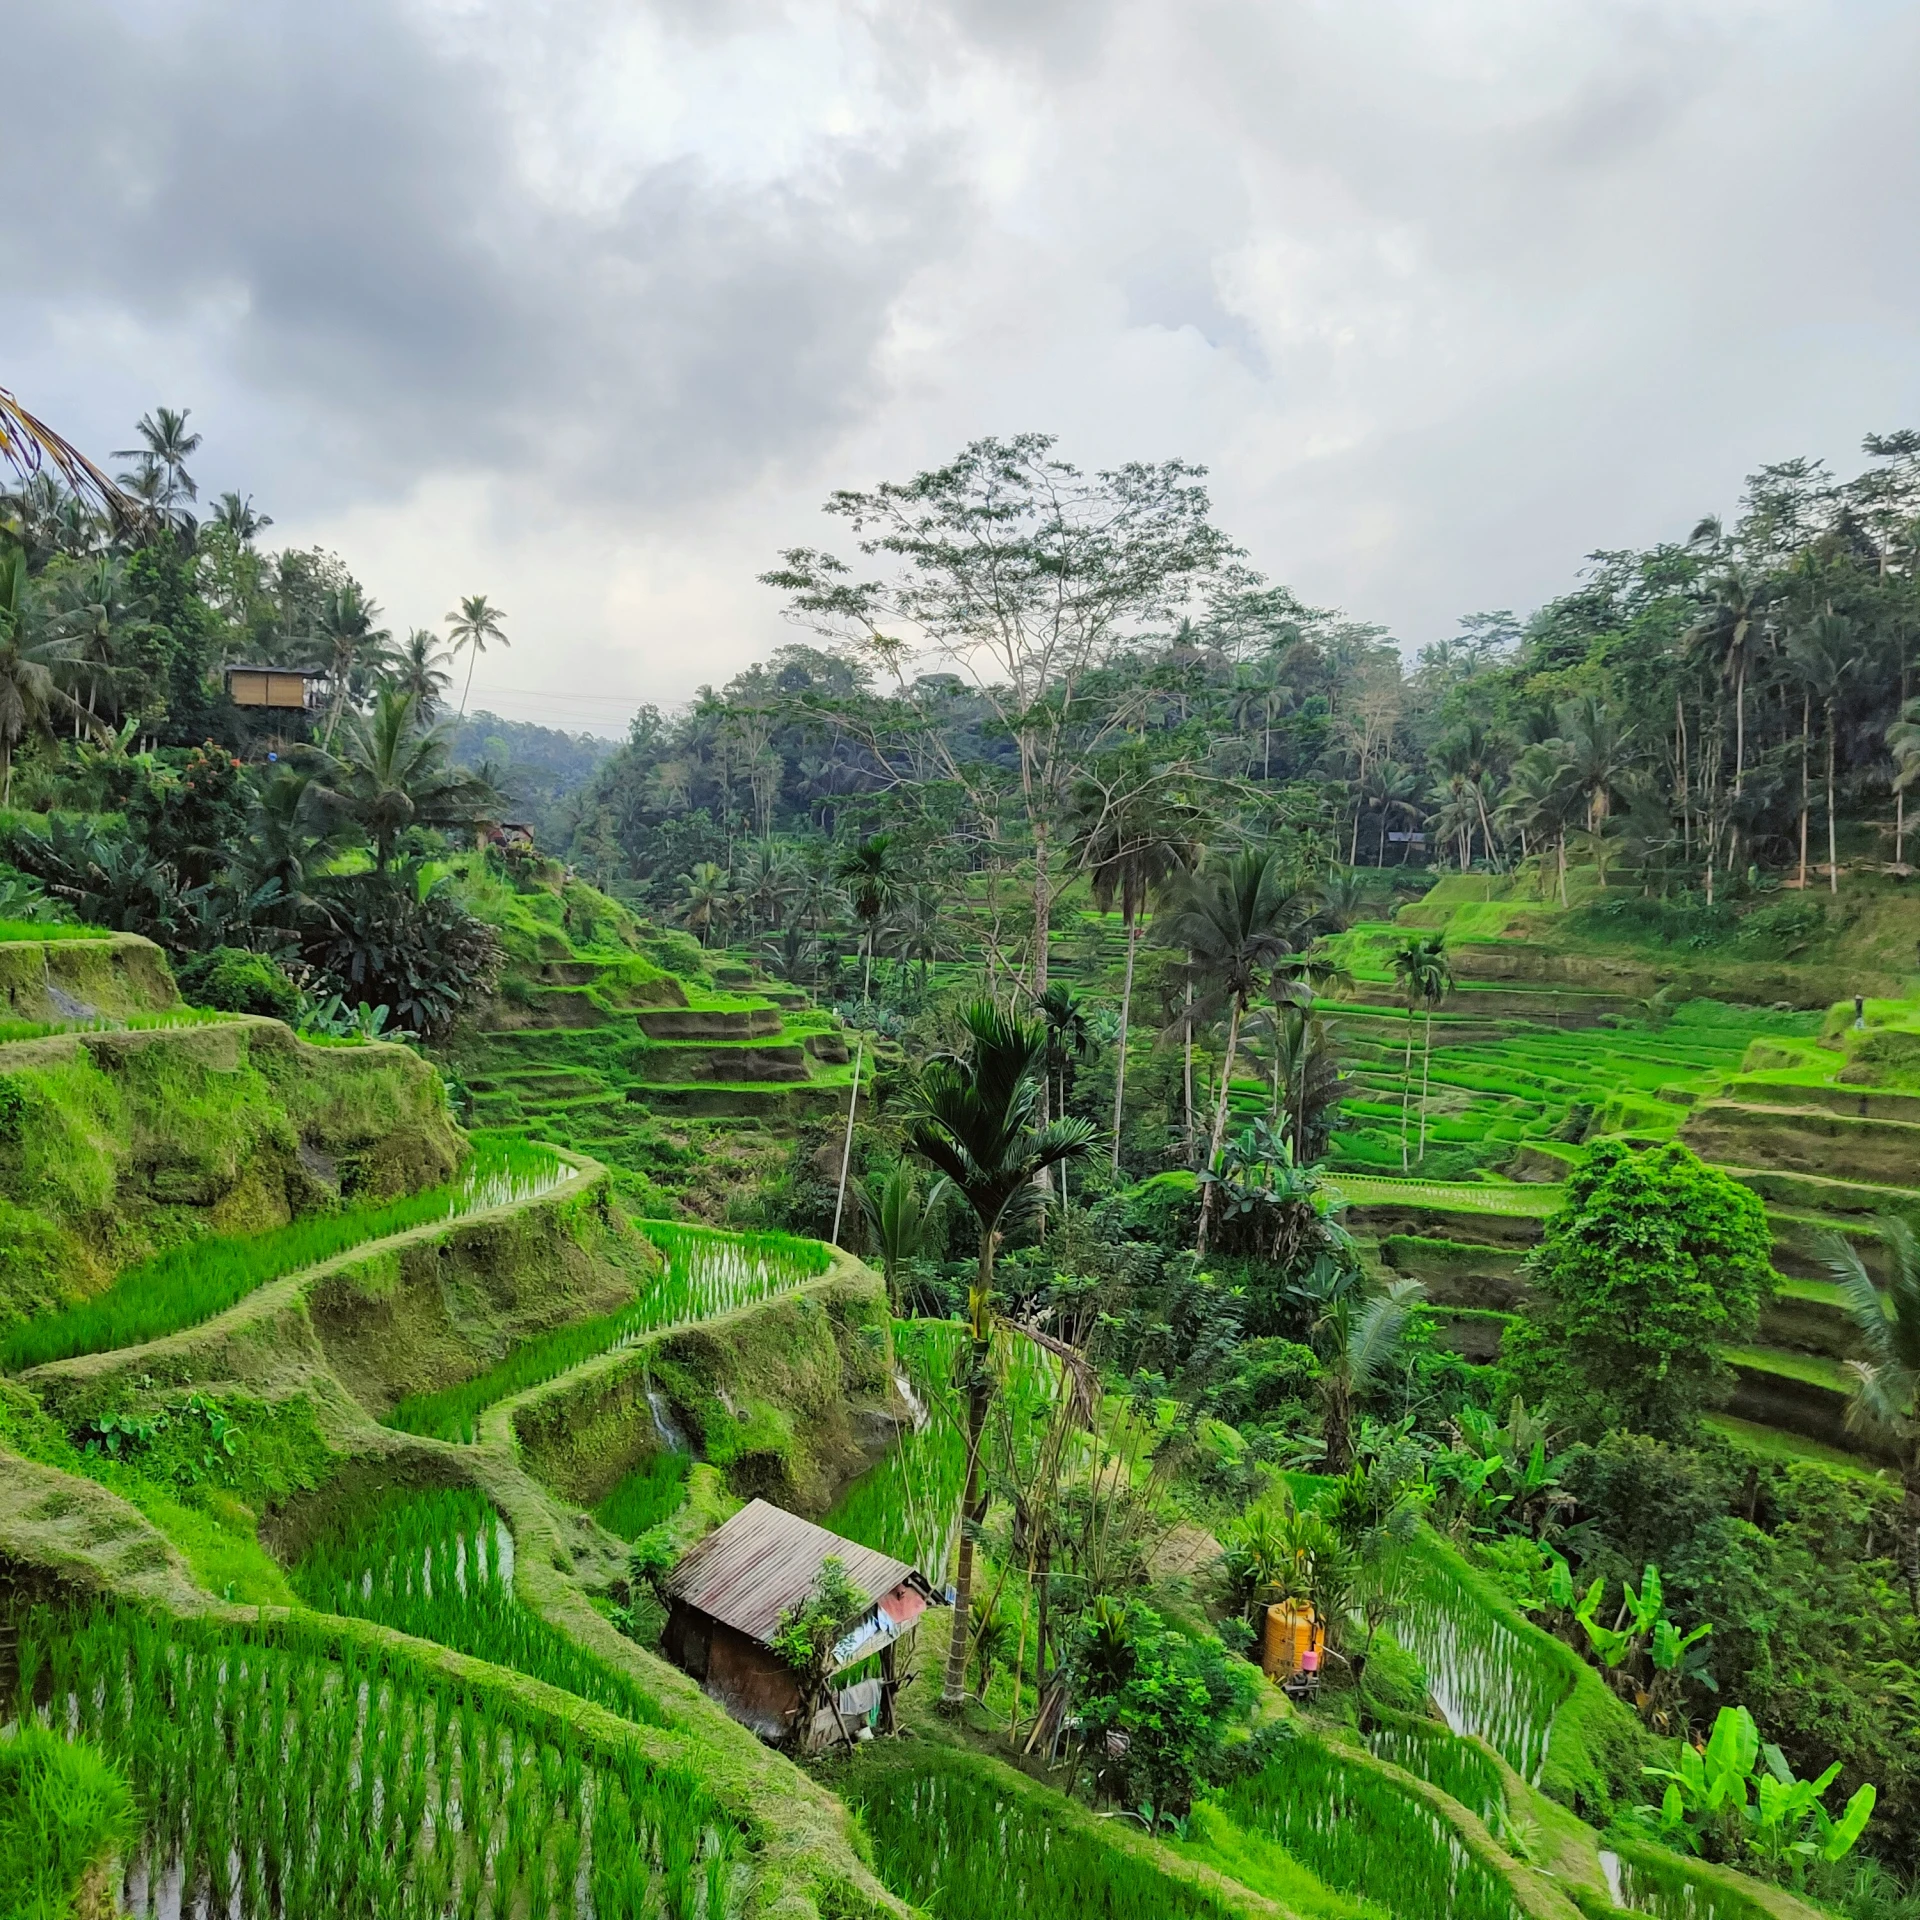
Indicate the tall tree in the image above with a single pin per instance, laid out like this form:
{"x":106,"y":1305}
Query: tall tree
{"x":979,"y":1123}
{"x":1731,"y":627}
{"x":1886,"y":1383}
{"x":1903,"y":741}
{"x":871,"y":875}
{"x":29,"y":658}
{"x":1238,"y":920}
{"x":165,"y":448}
{"x":1426,"y":977}
{"x":1133,"y":833}
{"x":420,"y":669}
{"x":1024,"y":574}
{"x":349,"y":638}
{"x":1826,"y":655}
{"x":475,"y":624}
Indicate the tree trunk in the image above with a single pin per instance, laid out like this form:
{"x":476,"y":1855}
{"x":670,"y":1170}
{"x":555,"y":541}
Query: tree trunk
{"x":1187,"y":1031}
{"x":1219,"y":1124}
{"x":1426,"y":1069}
{"x":1406,"y":1089}
{"x":1833,"y":844}
{"x":973,"y":1500}
{"x":1120,"y":1065}
{"x":1806,"y":748}
{"x":1739,"y":725}
{"x":1042,"y":905}
{"x":1561,"y":847}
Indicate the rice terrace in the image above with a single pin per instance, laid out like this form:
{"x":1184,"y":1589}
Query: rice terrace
{"x":1081,"y":1242}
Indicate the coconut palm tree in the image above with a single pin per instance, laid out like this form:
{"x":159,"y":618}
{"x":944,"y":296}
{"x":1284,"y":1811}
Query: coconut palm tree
{"x":706,"y":897}
{"x":1540,"y":802}
{"x":29,"y":659}
{"x":96,"y":615}
{"x":30,"y":447}
{"x":346,"y":629}
{"x":1731,"y":627}
{"x":475,"y":625}
{"x":1238,"y":920}
{"x":391,"y":774}
{"x":1357,"y":1333}
{"x":1426,"y":978}
{"x":980,"y":1122}
{"x":165,"y":448}
{"x":1133,"y":837}
{"x":1599,"y":754}
{"x":1886,"y":1384}
{"x":871,"y":876}
{"x":240,"y":519}
{"x":1825,"y":657}
{"x":420,"y":670}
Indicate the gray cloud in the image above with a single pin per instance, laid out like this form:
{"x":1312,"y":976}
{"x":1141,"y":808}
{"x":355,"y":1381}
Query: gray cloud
{"x":591,"y":305}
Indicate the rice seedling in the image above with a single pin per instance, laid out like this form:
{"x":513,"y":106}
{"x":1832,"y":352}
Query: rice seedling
{"x":1362,"y":1834}
{"x":439,"y":1565}
{"x":1488,"y":1678}
{"x":1446,"y":1761}
{"x":285,"y":1774}
{"x":1642,"y":1881}
{"x":707,"y":1272}
{"x":190,"y":1283}
{"x":652,"y":1492}
{"x":954,"y":1834}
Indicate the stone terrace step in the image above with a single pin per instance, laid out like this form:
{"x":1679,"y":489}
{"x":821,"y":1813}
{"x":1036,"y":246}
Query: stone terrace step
{"x":1807,"y":1139}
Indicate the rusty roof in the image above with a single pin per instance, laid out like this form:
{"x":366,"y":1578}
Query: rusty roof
{"x":765,"y":1561}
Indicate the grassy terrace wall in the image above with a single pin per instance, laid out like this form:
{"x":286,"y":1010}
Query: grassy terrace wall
{"x":108,"y":976}
{"x":115,"y":1145}
{"x":788,"y":1398}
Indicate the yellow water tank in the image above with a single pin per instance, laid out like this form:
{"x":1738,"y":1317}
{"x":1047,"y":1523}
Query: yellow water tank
{"x":1291,"y":1633}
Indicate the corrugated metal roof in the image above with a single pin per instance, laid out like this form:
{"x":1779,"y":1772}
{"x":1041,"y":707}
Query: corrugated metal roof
{"x":765,"y":1561}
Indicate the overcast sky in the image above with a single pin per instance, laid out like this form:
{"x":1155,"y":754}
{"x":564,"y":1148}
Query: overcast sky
{"x":586,"y":306}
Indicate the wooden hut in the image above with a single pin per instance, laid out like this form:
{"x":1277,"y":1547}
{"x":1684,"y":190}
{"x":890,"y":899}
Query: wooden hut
{"x":278,"y":689}
{"x":726,"y":1599}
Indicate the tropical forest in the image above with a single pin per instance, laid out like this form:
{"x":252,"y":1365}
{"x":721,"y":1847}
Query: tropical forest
{"x":1322,"y":1238}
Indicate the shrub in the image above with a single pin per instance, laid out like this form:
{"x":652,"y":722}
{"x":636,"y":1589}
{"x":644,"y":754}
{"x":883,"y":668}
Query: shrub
{"x":236,"y":981}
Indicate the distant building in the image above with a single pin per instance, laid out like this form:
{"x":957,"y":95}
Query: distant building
{"x":278,"y":689}
{"x":726,"y":1599}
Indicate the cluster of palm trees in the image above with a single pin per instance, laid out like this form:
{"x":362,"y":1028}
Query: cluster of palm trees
{"x":82,"y":642}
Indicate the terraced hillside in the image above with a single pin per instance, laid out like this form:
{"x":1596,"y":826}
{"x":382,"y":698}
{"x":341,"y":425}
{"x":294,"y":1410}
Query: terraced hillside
{"x":1818,"y":1116}
{"x":167,"y":1502}
{"x":640,"y":1050}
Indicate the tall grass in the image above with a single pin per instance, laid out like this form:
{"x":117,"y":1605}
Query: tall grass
{"x":1362,"y":1834}
{"x":287,"y":1776}
{"x":1486,"y":1678}
{"x":439,"y":1565}
{"x":707,"y":1272}
{"x":191,"y":1283}
{"x":652,"y":1492}
{"x":953,"y":1835}
{"x":1448,"y":1762}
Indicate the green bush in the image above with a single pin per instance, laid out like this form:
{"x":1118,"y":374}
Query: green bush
{"x":234,"y":981}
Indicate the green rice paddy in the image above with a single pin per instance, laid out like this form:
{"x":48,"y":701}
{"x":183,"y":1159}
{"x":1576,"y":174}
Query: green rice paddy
{"x":440,"y":1566}
{"x":652,"y":1492}
{"x":286,"y":1772}
{"x":707,"y":1273}
{"x":1361,"y":1833}
{"x":188,"y":1284}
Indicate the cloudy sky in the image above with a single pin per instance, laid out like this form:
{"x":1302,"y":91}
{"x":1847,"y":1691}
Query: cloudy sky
{"x":586,"y":303}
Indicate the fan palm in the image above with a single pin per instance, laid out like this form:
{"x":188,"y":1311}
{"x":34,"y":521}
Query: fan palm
{"x":392,"y":774}
{"x":1238,"y":920}
{"x":1886,"y":1384}
{"x":980,"y":1122}
{"x":475,"y":625}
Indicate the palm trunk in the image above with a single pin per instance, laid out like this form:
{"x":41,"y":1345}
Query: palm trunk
{"x":1739,"y":725}
{"x":1426,"y":1069}
{"x":1406,"y":1089}
{"x":1120,"y":1067}
{"x":973,"y":1500}
{"x":1806,"y":745}
{"x":1833,"y":845}
{"x":1219,"y":1124}
{"x":1042,"y":906}
{"x":1187,"y":1082}
{"x":1561,"y":846}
